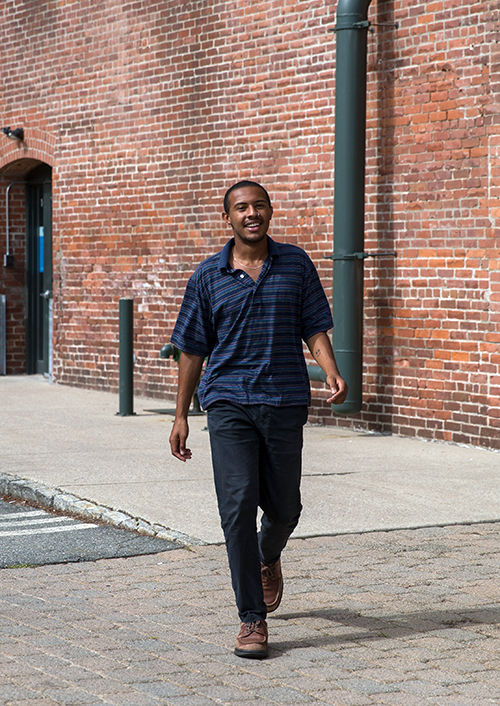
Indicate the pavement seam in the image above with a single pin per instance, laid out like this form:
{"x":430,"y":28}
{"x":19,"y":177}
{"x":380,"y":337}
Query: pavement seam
{"x":398,"y":528}
{"x":50,"y":498}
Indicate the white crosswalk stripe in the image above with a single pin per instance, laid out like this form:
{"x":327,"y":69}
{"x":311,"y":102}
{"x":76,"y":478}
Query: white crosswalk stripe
{"x":17,"y":524}
{"x":46,"y":530}
{"x":25,"y":515}
{"x":36,"y":521}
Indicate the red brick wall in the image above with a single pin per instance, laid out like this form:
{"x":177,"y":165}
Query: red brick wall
{"x":153,"y":109}
{"x":433,"y":177}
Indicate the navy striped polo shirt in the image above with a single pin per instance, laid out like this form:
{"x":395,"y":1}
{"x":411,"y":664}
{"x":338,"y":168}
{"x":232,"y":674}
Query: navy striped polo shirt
{"x":252,"y":332}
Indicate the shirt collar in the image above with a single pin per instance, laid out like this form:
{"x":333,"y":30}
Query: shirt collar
{"x":226,"y":250}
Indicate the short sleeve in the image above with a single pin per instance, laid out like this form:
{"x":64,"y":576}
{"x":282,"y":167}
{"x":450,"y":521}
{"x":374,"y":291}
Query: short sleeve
{"x":193,"y":331}
{"x":316,"y":314}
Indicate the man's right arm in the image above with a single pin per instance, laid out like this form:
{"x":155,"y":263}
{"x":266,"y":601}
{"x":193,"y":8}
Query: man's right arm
{"x":189,"y":373}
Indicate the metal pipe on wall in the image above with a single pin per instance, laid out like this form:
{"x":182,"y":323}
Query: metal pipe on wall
{"x":8,"y":259}
{"x":349,"y":199}
{"x":349,"y":196}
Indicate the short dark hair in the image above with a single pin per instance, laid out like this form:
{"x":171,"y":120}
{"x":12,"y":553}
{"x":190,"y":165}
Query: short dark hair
{"x":240,"y":185}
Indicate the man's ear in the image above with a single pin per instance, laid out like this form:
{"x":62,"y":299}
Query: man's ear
{"x":225,"y":217}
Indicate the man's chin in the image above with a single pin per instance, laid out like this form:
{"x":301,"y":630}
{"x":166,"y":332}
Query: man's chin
{"x":249,"y":237}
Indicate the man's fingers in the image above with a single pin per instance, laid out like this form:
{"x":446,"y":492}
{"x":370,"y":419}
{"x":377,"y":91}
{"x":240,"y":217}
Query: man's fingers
{"x":182,"y":456}
{"x":180,"y":451}
{"x":339,"y":393}
{"x":337,"y":399}
{"x":184,"y":453}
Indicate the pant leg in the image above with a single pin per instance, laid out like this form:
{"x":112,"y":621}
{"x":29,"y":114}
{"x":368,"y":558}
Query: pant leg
{"x":280,"y":475}
{"x":235,"y":444}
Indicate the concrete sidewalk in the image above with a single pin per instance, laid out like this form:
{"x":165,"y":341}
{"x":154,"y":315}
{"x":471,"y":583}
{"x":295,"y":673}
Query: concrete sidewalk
{"x":71,"y":439}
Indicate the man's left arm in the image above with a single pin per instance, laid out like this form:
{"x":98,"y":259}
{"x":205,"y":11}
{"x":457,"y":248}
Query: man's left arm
{"x":322,"y":352}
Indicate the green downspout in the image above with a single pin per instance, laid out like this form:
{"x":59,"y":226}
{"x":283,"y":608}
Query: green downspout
{"x":349,"y":196}
{"x":349,"y":199}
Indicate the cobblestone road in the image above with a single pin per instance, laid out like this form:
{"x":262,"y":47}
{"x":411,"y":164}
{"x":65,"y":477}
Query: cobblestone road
{"x":404,"y":617}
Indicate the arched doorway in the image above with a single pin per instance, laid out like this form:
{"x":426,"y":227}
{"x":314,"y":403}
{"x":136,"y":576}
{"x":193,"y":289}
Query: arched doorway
{"x":26,"y":272}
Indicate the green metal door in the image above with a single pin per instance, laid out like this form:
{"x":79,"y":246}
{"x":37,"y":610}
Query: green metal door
{"x":39,"y":270}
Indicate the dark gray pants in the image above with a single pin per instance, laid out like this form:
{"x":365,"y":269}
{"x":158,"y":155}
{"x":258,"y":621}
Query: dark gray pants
{"x":257,"y":461}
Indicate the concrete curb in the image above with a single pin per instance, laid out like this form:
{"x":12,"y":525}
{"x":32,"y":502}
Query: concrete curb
{"x":50,"y":498}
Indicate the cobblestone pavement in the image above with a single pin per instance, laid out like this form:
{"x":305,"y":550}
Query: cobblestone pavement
{"x":405,"y":617}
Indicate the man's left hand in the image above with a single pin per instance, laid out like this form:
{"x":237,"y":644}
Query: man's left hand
{"x":339,"y":389}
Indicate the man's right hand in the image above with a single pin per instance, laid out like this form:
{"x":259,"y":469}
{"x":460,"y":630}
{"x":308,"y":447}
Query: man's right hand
{"x":189,"y":373}
{"x":178,"y":438}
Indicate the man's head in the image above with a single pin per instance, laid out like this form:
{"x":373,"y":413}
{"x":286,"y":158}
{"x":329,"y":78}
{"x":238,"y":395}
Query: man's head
{"x":239,"y":185}
{"x":248,"y":210}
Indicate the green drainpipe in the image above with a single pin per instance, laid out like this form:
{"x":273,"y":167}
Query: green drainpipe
{"x":349,"y":200}
{"x":349,"y":196}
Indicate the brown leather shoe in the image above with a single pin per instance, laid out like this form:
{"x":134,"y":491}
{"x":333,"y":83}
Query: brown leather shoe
{"x":272,"y":584}
{"x":252,"y":640}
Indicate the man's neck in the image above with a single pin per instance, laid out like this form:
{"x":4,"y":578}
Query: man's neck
{"x":250,"y":253}
{"x":249,"y":257}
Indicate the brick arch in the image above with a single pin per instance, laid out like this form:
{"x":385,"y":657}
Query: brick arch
{"x":38,"y":147}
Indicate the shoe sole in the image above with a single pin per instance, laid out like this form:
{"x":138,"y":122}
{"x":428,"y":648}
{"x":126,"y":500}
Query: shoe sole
{"x":251,"y":654}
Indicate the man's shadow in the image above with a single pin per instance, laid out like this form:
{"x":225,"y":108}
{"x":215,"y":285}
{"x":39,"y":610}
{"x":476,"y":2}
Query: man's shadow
{"x":365,"y":628}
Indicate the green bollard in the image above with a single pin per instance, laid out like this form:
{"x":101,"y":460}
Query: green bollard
{"x":126,"y":310}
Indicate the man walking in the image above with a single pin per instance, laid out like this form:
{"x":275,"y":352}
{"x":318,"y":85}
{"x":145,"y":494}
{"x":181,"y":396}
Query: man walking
{"x":247,"y":310}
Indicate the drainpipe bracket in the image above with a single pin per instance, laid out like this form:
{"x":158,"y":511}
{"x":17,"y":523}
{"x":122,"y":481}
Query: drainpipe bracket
{"x":386,"y":25}
{"x":362,"y":255}
{"x":363,"y":24}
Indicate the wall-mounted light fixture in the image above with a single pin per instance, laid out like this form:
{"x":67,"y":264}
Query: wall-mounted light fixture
{"x":17,"y":134}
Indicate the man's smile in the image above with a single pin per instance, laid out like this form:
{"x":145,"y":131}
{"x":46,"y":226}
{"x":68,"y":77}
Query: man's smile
{"x":253,"y":225}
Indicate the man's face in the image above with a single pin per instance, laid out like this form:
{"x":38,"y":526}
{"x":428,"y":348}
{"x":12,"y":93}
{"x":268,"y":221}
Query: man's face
{"x":249,"y":214}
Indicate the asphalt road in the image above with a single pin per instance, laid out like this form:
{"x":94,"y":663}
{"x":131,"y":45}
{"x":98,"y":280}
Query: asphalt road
{"x":32,"y":537}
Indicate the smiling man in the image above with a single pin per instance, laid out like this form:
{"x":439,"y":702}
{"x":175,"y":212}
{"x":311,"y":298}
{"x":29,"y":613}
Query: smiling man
{"x":247,"y":310}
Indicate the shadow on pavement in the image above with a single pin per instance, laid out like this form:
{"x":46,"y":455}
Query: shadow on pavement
{"x":367,"y":628}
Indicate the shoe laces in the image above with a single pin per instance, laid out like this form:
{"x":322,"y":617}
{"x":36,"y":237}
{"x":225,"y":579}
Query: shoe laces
{"x":255,"y":626}
{"x":269,"y":572}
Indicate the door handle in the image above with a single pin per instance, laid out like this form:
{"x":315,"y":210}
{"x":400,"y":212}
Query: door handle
{"x":47,"y":294}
